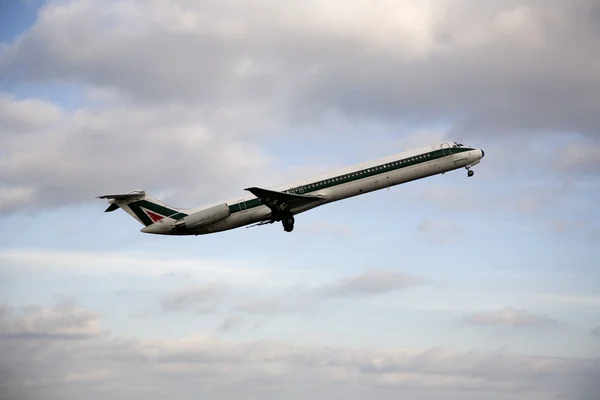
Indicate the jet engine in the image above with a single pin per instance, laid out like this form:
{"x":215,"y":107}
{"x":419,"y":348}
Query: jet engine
{"x":204,"y":217}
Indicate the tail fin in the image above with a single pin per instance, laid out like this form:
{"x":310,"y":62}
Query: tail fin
{"x":143,"y":207}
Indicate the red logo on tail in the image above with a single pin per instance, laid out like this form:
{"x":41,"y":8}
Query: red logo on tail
{"x":154,"y":217}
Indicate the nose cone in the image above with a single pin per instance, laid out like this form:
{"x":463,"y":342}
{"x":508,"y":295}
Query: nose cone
{"x":482,"y":153}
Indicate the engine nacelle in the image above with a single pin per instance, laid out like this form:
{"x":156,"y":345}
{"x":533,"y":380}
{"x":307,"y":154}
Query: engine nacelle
{"x":204,"y":217}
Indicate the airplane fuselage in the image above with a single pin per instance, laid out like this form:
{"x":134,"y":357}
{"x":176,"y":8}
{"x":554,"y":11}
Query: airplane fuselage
{"x":331,"y":187}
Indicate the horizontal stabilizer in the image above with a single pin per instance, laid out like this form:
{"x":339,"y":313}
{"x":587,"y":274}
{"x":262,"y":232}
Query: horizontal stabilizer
{"x":112,"y":207}
{"x":138,"y":194}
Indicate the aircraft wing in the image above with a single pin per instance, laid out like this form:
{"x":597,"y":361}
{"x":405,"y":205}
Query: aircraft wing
{"x":281,"y":201}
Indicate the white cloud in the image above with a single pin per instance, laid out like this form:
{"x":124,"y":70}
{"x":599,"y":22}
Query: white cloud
{"x":509,"y":316}
{"x":188,"y":90}
{"x":25,"y":116}
{"x":103,"y":366}
{"x":94,"y":152}
{"x":16,"y":197}
{"x":237,"y":272}
{"x":62,"y":321}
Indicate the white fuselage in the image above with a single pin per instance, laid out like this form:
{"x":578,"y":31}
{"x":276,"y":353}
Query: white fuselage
{"x":347,"y":182}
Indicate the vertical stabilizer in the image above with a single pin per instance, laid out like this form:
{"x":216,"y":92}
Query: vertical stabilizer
{"x":143,"y":207}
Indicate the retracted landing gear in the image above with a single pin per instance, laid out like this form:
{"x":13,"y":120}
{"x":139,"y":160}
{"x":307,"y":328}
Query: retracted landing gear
{"x":288,"y":223}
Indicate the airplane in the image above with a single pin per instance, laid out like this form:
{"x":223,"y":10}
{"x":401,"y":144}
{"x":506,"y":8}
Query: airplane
{"x":283,"y":202}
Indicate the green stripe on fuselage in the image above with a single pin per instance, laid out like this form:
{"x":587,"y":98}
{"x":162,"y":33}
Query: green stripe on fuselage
{"x":357,"y":175}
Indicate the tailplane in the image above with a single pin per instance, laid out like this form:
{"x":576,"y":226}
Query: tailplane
{"x":143,"y":207}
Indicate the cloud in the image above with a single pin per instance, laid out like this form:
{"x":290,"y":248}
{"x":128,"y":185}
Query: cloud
{"x":64,"y":321}
{"x":596,"y":331}
{"x":43,"y":169}
{"x":199,"y":298}
{"x":100,"y":366}
{"x":26,"y":116}
{"x":370,"y":283}
{"x":231,"y":323}
{"x":509,"y":316}
{"x":202,"y":89}
{"x":578,"y":157}
{"x":275,"y":305}
{"x":146,"y":263}
{"x":575,"y":300}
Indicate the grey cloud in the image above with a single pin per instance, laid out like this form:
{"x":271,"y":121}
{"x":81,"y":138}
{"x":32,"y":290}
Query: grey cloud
{"x":63,"y":321}
{"x":493,"y":67}
{"x":144,"y":52}
{"x":369,"y":283}
{"x":104,"y":366}
{"x":578,"y":158}
{"x":180,"y":96}
{"x":509,"y":316}
{"x":200,"y":298}
{"x":231,"y":323}
{"x":93,"y":152}
{"x":596,"y":331}
{"x":273,"y":305}
{"x":25,"y":116}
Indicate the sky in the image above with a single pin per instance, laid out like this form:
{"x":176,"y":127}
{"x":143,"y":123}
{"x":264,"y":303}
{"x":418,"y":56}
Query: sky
{"x":443,"y":288}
